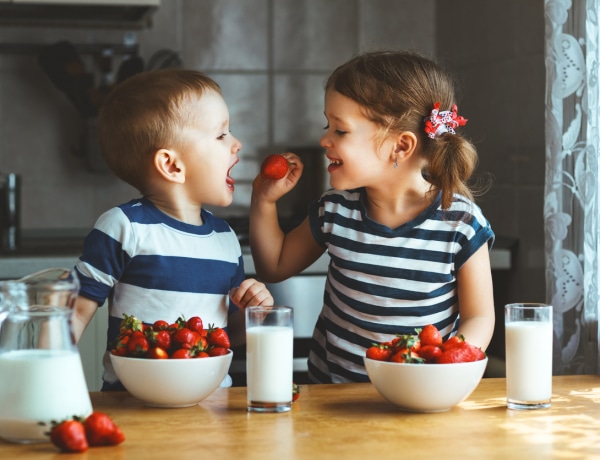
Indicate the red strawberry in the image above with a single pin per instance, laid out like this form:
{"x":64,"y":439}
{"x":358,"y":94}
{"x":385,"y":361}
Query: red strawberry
{"x":430,"y":353}
{"x":100,"y":430}
{"x":138,"y":345}
{"x":454,"y":341}
{"x":274,"y":167}
{"x":430,"y":335}
{"x":129,"y":324}
{"x":195,"y":324}
{"x":181,"y":353}
{"x":119,"y":346}
{"x":186,"y":338}
{"x":463,"y":353}
{"x":160,"y":339}
{"x":218,"y":337}
{"x":69,"y":436}
{"x":157,"y":353}
{"x":295,"y":391}
{"x":160,"y":325}
{"x":217,"y":351}
{"x":380,"y":352}
{"x":406,"y":355}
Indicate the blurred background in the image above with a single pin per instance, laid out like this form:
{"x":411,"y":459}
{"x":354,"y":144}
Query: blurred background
{"x":271,"y":58}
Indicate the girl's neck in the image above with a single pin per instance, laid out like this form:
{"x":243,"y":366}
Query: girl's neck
{"x":395,"y":208}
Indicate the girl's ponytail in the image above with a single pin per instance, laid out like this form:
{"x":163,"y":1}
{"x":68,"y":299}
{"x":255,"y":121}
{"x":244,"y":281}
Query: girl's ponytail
{"x":452,"y":161}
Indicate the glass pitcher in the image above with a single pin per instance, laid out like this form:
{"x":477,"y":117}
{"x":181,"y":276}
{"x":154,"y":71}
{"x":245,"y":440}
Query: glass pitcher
{"x":41,"y":376}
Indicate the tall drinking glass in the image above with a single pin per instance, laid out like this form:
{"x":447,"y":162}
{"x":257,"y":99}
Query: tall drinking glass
{"x":269,"y":358}
{"x":528,"y":330}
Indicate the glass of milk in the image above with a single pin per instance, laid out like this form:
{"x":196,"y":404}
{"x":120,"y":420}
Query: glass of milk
{"x":528,"y":330}
{"x":269,"y":358}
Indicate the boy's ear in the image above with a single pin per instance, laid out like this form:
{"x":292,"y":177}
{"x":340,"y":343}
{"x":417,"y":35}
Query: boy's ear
{"x":169,"y":166}
{"x":405,"y":145}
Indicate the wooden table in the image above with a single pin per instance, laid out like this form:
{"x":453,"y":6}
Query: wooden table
{"x":349,"y":421}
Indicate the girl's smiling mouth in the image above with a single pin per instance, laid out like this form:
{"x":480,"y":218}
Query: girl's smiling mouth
{"x":334,"y":164}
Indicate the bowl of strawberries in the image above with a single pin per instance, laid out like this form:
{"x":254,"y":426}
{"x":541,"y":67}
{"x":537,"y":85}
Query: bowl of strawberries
{"x":170,"y":364}
{"x":422,"y":373}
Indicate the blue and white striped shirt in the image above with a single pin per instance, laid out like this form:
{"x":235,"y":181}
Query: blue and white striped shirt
{"x":153,"y":267}
{"x":382,"y":281}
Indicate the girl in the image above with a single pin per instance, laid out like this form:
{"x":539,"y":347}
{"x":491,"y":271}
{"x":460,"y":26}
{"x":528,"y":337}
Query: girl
{"x":408,"y":246}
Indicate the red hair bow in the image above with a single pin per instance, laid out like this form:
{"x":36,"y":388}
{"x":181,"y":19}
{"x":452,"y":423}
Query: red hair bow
{"x":439,"y":123}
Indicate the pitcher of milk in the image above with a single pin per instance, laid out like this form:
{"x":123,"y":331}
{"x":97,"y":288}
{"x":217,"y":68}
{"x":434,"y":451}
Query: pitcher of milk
{"x":41,"y":376}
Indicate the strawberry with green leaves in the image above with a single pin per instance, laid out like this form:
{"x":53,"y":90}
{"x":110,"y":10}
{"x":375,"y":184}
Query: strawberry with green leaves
{"x":218,"y":337}
{"x":379,"y":352}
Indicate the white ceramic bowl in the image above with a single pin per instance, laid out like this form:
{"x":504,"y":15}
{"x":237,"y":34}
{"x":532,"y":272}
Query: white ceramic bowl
{"x":425,"y":387}
{"x":171,"y":382}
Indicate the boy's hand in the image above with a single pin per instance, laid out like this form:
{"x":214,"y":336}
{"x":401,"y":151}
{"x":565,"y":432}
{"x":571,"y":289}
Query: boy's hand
{"x":272,"y":190}
{"x":251,"y":292}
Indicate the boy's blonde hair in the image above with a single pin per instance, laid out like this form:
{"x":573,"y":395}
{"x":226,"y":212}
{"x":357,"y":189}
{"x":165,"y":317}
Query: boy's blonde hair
{"x":145,"y":113}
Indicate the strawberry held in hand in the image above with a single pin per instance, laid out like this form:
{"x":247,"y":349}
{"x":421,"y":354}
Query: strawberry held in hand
{"x":274,"y":167}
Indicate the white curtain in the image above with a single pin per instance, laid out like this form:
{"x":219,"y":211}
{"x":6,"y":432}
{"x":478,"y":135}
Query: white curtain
{"x":571,"y":187}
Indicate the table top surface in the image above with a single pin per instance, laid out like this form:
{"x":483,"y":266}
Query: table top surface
{"x":349,"y":421}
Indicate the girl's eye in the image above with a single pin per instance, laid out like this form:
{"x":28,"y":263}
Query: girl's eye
{"x":222,"y":136}
{"x":339,"y":132}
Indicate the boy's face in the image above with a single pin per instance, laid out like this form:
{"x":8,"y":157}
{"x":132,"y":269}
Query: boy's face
{"x":210,"y":152}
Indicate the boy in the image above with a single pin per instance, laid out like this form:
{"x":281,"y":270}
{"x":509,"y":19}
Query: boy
{"x":163,"y":255}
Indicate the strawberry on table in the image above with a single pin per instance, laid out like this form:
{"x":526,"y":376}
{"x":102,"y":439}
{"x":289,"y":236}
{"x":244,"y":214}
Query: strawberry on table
{"x":100,"y":430}
{"x":69,"y":436}
{"x":274,"y":167}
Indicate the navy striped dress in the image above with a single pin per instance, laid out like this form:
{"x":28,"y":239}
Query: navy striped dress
{"x":152,"y":266}
{"x":382,"y":281}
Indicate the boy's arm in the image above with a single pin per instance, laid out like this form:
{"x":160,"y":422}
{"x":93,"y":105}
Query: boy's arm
{"x":84,"y":311}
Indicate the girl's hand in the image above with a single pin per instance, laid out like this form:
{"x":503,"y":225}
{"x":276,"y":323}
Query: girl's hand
{"x":251,"y":292}
{"x":271,"y":190}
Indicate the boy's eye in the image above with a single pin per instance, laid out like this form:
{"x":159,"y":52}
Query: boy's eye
{"x":222,"y":136}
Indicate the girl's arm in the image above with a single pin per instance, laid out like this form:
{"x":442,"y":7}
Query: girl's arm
{"x":277,"y":256}
{"x":476,"y":299}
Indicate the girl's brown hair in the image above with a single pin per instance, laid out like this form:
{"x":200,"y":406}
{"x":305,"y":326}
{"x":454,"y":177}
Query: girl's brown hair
{"x":145,"y":113}
{"x":397,"y":91}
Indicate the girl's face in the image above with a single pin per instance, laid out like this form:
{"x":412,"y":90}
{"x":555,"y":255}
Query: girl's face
{"x":210,"y":153}
{"x":355,"y":157}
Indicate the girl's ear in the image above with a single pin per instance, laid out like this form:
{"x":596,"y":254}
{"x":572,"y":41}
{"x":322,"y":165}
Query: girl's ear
{"x":169,"y":166}
{"x":406,"y":143}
